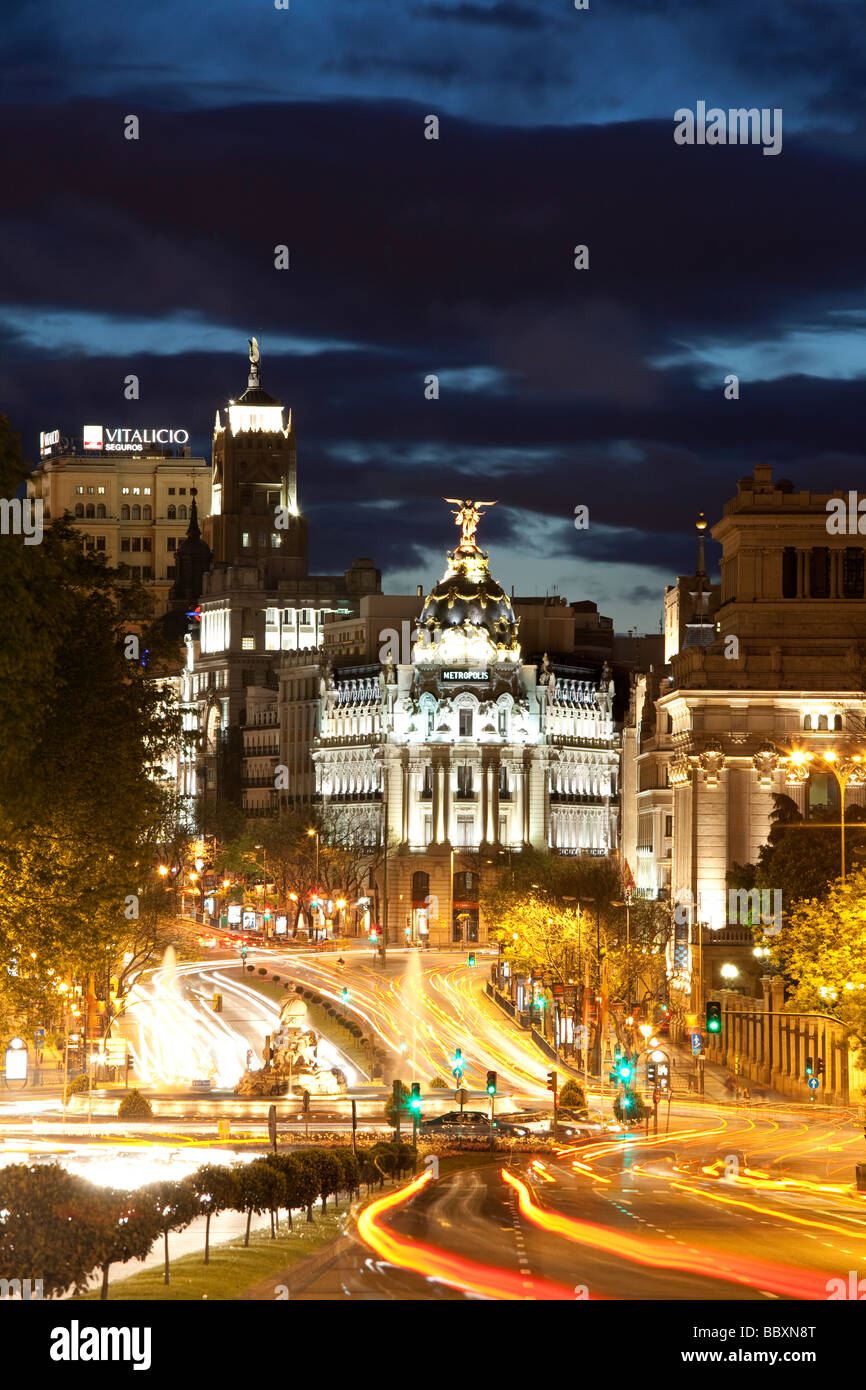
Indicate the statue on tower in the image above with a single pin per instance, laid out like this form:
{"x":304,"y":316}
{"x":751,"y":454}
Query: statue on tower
{"x":468,"y":515}
{"x":254,"y":349}
{"x":255,"y":371}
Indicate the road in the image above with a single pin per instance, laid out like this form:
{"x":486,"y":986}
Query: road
{"x":626,"y":1218}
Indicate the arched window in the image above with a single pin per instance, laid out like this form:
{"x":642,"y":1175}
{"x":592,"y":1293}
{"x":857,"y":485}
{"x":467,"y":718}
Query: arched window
{"x":465,"y":887}
{"x":100,"y":511}
{"x":136,"y":513}
{"x":420,"y":887}
{"x":124,"y":513}
{"x":181,"y":513}
{"x":147,"y":514}
{"x":90,"y":511}
{"x":823,"y":723}
{"x":807,"y":722}
{"x":79,"y":510}
{"x":837,"y":723}
{"x":172,"y":512}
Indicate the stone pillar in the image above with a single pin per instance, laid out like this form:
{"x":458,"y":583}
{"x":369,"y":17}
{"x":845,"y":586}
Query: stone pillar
{"x":494,"y":811}
{"x":482,"y":803}
{"x":519,"y":826}
{"x":437,"y":796}
{"x":490,"y":830}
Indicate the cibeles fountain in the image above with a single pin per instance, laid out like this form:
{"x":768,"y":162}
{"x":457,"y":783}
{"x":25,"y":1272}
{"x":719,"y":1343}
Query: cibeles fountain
{"x":291,"y":1063}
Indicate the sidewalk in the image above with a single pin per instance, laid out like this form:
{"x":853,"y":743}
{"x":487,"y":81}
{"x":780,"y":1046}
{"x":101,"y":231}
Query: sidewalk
{"x":714,"y":1082}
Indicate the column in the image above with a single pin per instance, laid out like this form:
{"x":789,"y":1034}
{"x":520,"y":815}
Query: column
{"x":490,"y":833}
{"x":483,"y":800}
{"x":494,"y":809}
{"x":404,"y":783}
{"x":517,"y":795}
{"x":437,"y":795}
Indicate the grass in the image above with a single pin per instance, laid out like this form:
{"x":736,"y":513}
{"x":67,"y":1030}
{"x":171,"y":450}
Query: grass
{"x":233,"y":1267}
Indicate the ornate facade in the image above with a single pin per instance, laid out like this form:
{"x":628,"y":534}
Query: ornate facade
{"x":465,"y":753}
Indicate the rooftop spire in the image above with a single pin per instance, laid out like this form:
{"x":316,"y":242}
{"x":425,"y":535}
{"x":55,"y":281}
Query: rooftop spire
{"x":255,"y":377}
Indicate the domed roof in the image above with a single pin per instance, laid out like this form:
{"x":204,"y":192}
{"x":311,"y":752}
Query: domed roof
{"x":469,"y":594}
{"x":468,"y":617}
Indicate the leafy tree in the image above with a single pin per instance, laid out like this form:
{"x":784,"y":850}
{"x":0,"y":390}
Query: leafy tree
{"x":802,"y":858}
{"x":822,"y":953}
{"x":215,"y":1185}
{"x":629,"y":1107}
{"x":127,"y":1225}
{"x":259,"y":1188}
{"x":330,"y":1175}
{"x":309,"y":1186}
{"x":390,"y":1111}
{"x":135,"y":1106}
{"x":351,"y":1171}
{"x":293,"y":1177}
{"x":44,"y":1233}
{"x":571,"y":1096}
{"x":176,"y":1205}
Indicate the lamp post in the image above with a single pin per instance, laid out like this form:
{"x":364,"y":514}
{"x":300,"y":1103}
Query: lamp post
{"x":314,"y":832}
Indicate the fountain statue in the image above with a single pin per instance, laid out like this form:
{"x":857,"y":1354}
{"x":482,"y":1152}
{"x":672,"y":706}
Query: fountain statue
{"x":291,"y":1060}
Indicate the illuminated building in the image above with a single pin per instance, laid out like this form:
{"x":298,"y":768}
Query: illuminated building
{"x":258,"y":601}
{"x":781,"y":670}
{"x":465,"y":753}
{"x":130,"y":499}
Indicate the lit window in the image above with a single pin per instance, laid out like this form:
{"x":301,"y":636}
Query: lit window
{"x":248,"y":644}
{"x":245,"y":540}
{"x":147,"y":492}
{"x":80,"y":491}
{"x":90,"y":492}
{"x":466,"y":723}
{"x":136,"y":492}
{"x":275,"y":540}
{"x":101,"y":491}
{"x":124,"y":490}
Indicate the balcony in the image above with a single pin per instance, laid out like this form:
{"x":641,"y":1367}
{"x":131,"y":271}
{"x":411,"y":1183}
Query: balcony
{"x":463,"y":795}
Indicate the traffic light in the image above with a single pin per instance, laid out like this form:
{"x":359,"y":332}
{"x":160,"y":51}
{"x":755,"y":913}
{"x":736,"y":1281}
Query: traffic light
{"x":551,"y":1081}
{"x":472,"y":958}
{"x":714,"y":1017}
{"x":650,"y":1073}
{"x":457,"y":1069}
{"x":344,"y":994}
{"x":217,"y":1003}
{"x":623,"y":1072}
{"x":244,"y":954}
{"x":491,"y":1083}
{"x":809,"y":1066}
{"x":415,"y":1098}
{"x":819,"y":1067}
{"x":397,"y":1093}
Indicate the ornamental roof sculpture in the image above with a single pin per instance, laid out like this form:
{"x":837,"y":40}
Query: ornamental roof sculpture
{"x":467,"y":619}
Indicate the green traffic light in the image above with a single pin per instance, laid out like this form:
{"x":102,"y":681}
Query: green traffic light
{"x":714,"y":1026}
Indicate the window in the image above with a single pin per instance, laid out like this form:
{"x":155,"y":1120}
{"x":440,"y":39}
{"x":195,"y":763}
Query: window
{"x":428,"y":830}
{"x":248,"y":644}
{"x":275,"y":540}
{"x":146,"y":513}
{"x":125,"y":491}
{"x":100,"y":542}
{"x":146,"y":543}
{"x":464,"y":779}
{"x":171,"y":542}
{"x":181,"y":513}
{"x":100,"y":511}
{"x":136,"y":513}
{"x":101,"y":491}
{"x":136,"y":492}
{"x":146,"y":572}
{"x":171,"y":492}
{"x":79,"y":510}
{"x":79,"y":491}
{"x":503,"y":722}
{"x":90,"y":492}
{"x":124,"y":544}
{"x":852,"y":572}
{"x":465,"y":826}
{"x":819,"y":571}
{"x":807,"y":722}
{"x":669,"y":826}
{"x":182,"y":491}
{"x":837,"y":723}
{"x":124,"y":513}
{"x":245,"y":538}
{"x":172,"y":512}
{"x":466,"y":884}
{"x":420,"y":887}
{"x":427,"y":789}
{"x":136,"y":543}
{"x":465,"y":723}
{"x":90,"y":510}
{"x":305,"y":617}
{"x":147,"y":492}
{"x":823,"y":723}
{"x":503,"y":830}
{"x":429,"y":723}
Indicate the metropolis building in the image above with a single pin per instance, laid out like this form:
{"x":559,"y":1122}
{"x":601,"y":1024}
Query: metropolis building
{"x":464,"y":754}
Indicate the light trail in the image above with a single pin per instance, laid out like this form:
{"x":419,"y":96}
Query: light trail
{"x":487,"y":1281}
{"x":653,"y":1254}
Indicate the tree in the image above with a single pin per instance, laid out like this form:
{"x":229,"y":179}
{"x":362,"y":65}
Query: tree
{"x":802,"y":858}
{"x":822,"y":953}
{"x":176,"y":1205}
{"x":629,"y":1107}
{"x":390,"y":1111}
{"x":294,"y":1177}
{"x":571,"y":1096}
{"x":135,"y":1106}
{"x":259,"y":1188}
{"x":85,"y":735}
{"x":330,"y":1175}
{"x":127,"y":1224}
{"x":44,"y":1230}
{"x":216,"y":1187}
{"x":351,"y":1171}
{"x":309,"y":1188}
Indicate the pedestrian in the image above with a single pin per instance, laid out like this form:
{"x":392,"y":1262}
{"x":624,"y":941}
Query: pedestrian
{"x":747,"y":1095}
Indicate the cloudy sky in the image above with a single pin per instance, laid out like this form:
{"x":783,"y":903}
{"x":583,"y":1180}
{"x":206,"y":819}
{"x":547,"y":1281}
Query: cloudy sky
{"x":409,"y":257}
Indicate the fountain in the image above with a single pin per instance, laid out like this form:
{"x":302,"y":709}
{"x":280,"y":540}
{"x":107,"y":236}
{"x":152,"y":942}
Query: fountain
{"x":294,"y":1064}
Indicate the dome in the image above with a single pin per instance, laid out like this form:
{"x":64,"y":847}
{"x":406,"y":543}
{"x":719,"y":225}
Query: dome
{"x":467,"y":619}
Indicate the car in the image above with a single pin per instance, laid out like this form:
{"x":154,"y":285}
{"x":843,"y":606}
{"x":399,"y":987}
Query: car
{"x":469,"y":1119}
{"x":207,"y":941}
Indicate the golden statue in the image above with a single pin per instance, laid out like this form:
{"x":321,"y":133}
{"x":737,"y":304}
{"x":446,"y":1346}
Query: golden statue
{"x":468,"y":515}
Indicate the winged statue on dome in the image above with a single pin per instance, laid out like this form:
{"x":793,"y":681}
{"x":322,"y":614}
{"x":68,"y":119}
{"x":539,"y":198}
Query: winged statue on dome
{"x":468,"y":515}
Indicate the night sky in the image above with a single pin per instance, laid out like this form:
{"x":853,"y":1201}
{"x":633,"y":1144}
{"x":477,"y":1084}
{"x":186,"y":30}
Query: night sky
{"x":558,"y":387}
